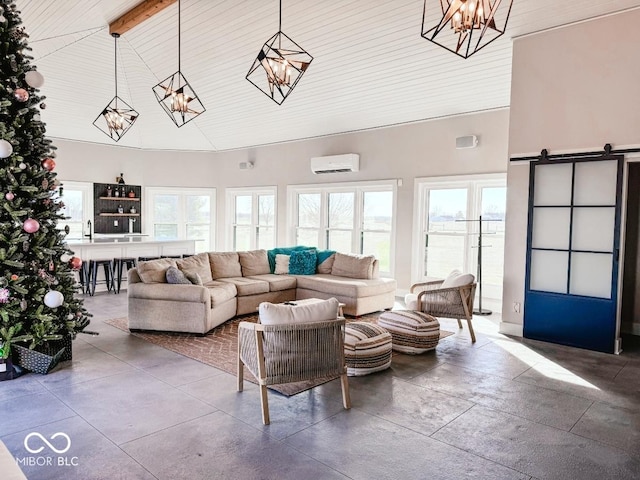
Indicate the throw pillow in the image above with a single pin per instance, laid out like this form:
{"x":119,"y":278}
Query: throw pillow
{"x":353,"y":266}
{"x":303,"y":262}
{"x":176,"y":277}
{"x":457,"y":279}
{"x":282,"y":264}
{"x":254,"y":262}
{"x":325,"y":261}
{"x":271,"y":254}
{"x":276,"y":314}
{"x":196,"y":264}
{"x":194,"y":278}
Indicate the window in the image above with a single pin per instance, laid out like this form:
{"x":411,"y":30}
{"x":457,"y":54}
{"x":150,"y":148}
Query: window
{"x":251,"y":215}
{"x":354,"y":218}
{"x":446,"y":229}
{"x":182,"y":213}
{"x":78,"y":207}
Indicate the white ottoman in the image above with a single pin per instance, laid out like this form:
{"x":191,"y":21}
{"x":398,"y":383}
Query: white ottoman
{"x":367,"y":348}
{"x":413,"y":332}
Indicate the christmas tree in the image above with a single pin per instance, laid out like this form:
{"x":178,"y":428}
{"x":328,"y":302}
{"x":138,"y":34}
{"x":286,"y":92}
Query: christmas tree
{"x":37,"y":285}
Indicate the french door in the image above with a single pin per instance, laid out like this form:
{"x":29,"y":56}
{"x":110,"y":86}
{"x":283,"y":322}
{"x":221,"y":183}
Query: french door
{"x":572,"y":252}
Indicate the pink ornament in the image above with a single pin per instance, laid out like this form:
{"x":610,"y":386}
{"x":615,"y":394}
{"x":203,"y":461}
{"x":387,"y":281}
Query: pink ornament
{"x":30,"y":225}
{"x":9,"y":196}
{"x":49,"y":164}
{"x":21,"y":94}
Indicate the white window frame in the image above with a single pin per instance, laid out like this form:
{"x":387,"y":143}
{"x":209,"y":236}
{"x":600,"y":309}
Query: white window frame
{"x":87,"y":203}
{"x":359,"y":188}
{"x":474,"y":185}
{"x":182,"y":193}
{"x":230,"y":214}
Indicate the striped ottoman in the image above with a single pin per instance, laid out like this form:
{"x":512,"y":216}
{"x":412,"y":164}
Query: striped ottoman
{"x":367,"y":348}
{"x":412,"y":332}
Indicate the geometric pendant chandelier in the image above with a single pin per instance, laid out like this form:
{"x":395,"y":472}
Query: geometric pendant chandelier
{"x":279,"y":65}
{"x":465,"y":26}
{"x":118,"y":116}
{"x":175,"y":95}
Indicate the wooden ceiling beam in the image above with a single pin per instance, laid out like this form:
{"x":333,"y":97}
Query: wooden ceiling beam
{"x":138,"y":14}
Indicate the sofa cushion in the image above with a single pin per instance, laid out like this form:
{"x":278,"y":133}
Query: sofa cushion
{"x":225,"y":265}
{"x":325,"y":261}
{"x":247,"y":286}
{"x":277,"y":283}
{"x":254,"y":262}
{"x":353,"y":266}
{"x":220,"y":292}
{"x":176,"y":277}
{"x":196,"y":264}
{"x":271,"y":254}
{"x":282,"y":264}
{"x":277,"y":314}
{"x":194,"y":278}
{"x":155,"y":271}
{"x":303,"y":262}
{"x":346,"y":287}
{"x":457,"y":279}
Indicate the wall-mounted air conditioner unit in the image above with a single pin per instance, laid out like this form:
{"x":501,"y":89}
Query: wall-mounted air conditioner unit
{"x":349,"y":162}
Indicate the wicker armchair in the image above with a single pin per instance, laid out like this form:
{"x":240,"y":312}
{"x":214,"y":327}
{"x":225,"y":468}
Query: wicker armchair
{"x":292,"y":353}
{"x":452,"y":302}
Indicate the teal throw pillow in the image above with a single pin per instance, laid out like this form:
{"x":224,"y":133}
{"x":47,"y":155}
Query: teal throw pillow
{"x":303,"y":262}
{"x":271,"y":254}
{"x":324,"y":254}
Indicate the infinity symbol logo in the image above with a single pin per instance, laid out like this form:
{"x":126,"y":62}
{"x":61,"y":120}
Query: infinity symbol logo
{"x":46,"y":442}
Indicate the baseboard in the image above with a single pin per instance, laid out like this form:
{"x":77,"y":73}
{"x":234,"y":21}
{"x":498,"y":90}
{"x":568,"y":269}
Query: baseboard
{"x":513,"y":329}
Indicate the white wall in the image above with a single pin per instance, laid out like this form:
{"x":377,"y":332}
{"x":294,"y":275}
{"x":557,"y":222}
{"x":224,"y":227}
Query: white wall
{"x":404,"y":152}
{"x":573,"y":89}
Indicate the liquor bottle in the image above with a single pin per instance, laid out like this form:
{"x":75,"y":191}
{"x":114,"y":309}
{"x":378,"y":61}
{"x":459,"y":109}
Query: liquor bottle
{"x":122,"y":194}
{"x":109,"y":191}
{"x":120,"y":209}
{"x":116,"y":192}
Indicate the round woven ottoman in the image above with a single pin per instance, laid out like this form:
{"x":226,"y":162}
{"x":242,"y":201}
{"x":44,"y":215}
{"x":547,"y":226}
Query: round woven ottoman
{"x":413,"y":332}
{"x":367,"y":348}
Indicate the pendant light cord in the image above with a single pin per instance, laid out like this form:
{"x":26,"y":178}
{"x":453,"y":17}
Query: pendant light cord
{"x":179,"y":35}
{"x":280,"y":18}
{"x":115,"y":61}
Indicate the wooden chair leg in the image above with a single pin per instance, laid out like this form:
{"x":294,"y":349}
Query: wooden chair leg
{"x":346,"y":397}
{"x":473,"y":335}
{"x":240,"y":374}
{"x":459,"y":323}
{"x":264,"y":401}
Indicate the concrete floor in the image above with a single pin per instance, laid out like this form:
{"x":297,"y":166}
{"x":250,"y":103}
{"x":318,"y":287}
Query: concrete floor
{"x":500,"y":409}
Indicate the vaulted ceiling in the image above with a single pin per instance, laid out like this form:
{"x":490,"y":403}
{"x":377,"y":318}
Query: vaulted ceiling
{"x":371,"y":67}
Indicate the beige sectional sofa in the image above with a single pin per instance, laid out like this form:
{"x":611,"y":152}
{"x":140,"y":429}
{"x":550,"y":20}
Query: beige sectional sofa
{"x":235,"y":283}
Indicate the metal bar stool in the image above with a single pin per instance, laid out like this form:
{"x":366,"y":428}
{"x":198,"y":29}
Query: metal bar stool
{"x":145,"y":259}
{"x":83,"y":277}
{"x":187,"y":255}
{"x":128,"y":262}
{"x":108,"y":274}
{"x":171,"y":256}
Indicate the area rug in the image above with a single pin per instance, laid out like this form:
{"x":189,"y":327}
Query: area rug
{"x":219,"y":347}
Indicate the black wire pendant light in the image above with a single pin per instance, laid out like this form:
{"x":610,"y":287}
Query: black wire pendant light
{"x":118,"y":116}
{"x":466,"y":26}
{"x":283,"y":61}
{"x":175,"y":95}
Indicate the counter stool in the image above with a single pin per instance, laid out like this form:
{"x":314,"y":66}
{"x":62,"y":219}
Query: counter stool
{"x":146,"y":259}
{"x":367,"y":348}
{"x":187,"y":255}
{"x":93,"y":273}
{"x":127,"y":262}
{"x":171,"y":256}
{"x":83,"y":277}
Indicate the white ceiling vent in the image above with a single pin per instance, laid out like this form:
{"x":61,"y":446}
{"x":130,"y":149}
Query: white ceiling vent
{"x":349,"y":162}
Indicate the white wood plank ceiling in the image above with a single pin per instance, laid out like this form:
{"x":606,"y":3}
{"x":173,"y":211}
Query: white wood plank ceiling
{"x":371,"y":68}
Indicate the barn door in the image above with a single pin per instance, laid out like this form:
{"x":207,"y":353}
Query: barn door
{"x":572,"y":252}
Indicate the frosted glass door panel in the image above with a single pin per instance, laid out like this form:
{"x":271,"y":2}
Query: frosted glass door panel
{"x":595,"y":183}
{"x":591,"y":274}
{"x":551,"y":228}
{"x":593,"y":229}
{"x":553,"y":184}
{"x":549,"y":271}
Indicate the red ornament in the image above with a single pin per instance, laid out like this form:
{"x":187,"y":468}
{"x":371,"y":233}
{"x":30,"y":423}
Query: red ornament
{"x":49,"y":164}
{"x":21,"y":95}
{"x":75,"y":263}
{"x":31,"y":225}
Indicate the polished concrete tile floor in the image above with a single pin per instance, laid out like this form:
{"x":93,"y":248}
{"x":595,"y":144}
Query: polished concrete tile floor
{"x":500,"y":408}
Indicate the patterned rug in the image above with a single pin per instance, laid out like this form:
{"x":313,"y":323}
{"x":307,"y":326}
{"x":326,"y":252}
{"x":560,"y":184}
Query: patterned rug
{"x":219,"y":347}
